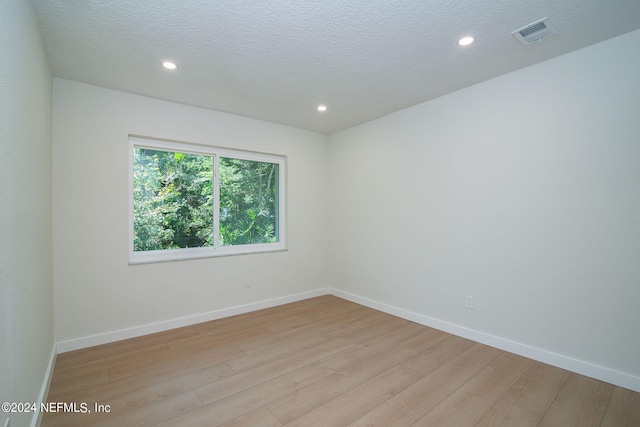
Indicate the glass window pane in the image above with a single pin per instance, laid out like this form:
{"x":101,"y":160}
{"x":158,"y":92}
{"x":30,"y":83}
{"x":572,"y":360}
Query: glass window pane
{"x":248,"y":202}
{"x":172,"y":200}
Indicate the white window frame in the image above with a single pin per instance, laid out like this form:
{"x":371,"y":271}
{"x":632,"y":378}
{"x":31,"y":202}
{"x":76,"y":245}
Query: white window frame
{"x":143,"y":257}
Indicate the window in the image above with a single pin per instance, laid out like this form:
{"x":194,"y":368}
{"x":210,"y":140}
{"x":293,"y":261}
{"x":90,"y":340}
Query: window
{"x":189,"y":201}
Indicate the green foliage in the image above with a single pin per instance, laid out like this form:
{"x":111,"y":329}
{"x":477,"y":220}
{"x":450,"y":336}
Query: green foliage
{"x":248,"y":202}
{"x":173,"y":201}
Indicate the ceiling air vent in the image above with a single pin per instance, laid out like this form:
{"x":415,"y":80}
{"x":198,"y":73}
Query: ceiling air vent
{"x":535,"y":32}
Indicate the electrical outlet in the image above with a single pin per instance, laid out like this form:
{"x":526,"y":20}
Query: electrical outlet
{"x":248,"y":282}
{"x":468,"y":302}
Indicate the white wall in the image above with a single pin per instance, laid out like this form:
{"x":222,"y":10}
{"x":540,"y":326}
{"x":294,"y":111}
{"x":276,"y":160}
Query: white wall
{"x":522,"y":191}
{"x":26,"y":331}
{"x":96,"y":291}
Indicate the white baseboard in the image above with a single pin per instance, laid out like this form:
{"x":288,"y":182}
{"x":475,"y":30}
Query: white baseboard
{"x":44,"y":390}
{"x":574,"y":365}
{"x":107,"y":337}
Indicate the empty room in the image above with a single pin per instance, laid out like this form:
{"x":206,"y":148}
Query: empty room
{"x":319,"y":213}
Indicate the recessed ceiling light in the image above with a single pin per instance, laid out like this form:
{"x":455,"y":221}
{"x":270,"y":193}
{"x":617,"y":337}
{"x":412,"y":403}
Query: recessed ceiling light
{"x":322,"y":108}
{"x":465,"y":41}
{"x":169,"y":65}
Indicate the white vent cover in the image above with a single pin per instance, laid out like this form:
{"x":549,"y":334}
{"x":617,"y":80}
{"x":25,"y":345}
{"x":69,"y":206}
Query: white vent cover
{"x":535,"y":31}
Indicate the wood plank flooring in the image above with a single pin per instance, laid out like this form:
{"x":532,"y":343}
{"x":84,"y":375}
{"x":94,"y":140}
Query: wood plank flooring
{"x":324,"y":362}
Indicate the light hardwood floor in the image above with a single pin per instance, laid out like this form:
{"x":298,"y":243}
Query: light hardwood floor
{"x":324,"y":362}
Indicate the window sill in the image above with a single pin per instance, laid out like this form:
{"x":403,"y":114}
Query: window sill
{"x":150,"y":257}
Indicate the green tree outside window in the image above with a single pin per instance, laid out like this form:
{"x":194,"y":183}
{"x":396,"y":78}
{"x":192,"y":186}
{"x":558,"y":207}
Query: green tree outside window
{"x":173,"y":200}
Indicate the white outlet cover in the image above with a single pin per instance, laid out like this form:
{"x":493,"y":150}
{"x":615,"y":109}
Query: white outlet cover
{"x":468,"y":302}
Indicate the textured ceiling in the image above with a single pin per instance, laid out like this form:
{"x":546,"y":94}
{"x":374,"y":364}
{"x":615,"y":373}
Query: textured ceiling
{"x":276,"y":60}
